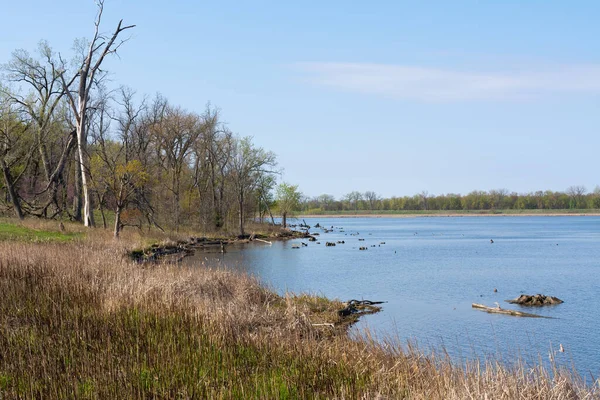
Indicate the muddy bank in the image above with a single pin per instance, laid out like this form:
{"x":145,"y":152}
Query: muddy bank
{"x":174,"y":251}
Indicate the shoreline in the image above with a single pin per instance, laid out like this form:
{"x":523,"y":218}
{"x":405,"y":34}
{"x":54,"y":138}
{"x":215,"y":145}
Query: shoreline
{"x":446,"y":215}
{"x":73,"y":313}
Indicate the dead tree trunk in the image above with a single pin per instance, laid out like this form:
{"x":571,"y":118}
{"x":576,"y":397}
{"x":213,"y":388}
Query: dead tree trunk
{"x":77,"y":201}
{"x":117,"y":222}
{"x":14,"y":198}
{"x":99,"y":47}
{"x":241,"y":215}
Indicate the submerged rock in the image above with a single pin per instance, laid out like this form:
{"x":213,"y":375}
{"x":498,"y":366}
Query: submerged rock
{"x":535,"y":300}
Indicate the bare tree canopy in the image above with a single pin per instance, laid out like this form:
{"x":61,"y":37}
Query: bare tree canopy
{"x":89,"y":75}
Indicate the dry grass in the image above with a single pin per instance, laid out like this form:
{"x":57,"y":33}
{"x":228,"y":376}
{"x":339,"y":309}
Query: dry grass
{"x":79,"y":320}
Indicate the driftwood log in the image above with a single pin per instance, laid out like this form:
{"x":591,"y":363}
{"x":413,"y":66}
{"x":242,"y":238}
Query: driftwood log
{"x":498,"y":310}
{"x":360,"y":306}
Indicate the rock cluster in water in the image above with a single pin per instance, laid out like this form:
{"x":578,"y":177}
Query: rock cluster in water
{"x":535,"y":300}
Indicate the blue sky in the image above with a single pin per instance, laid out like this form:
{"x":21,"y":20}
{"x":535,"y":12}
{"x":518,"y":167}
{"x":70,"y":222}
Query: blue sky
{"x":389,"y":96}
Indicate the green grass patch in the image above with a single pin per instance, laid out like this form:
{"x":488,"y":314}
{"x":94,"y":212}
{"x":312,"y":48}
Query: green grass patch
{"x":57,"y":342}
{"x":10,"y":231}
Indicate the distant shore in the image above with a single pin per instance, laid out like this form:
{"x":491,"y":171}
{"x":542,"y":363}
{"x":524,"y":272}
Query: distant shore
{"x":453,"y":214}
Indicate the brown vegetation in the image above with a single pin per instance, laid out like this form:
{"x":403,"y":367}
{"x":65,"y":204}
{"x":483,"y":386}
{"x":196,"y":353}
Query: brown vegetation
{"x":80,"y":320}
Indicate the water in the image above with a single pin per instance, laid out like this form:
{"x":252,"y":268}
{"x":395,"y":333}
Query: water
{"x":430,"y":270}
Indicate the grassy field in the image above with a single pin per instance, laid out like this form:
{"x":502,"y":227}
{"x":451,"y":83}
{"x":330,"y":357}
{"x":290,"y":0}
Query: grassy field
{"x":79,"y":320}
{"x":36,"y":231}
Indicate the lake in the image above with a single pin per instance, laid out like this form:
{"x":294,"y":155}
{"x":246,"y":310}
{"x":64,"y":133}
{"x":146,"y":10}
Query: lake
{"x":430,"y":270}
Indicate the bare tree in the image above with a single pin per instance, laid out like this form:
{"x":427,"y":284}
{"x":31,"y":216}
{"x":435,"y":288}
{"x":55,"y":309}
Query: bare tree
{"x":264,"y":191}
{"x":175,"y":137}
{"x":497,"y":197}
{"x":354,"y":198}
{"x":138,"y":128}
{"x":41,"y":104}
{"x":576,"y":193}
{"x":248,"y":163}
{"x":372,"y":198}
{"x":212,"y":163}
{"x":424,"y":199}
{"x":89,"y":74}
{"x":12,"y":150}
{"x":120,"y":177}
{"x":325,"y":201}
{"x":127,"y":120}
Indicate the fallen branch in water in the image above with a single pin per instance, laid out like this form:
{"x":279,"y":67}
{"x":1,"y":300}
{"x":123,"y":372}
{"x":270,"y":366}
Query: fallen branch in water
{"x":360,"y":306}
{"x":498,"y":310}
{"x":264,"y":241}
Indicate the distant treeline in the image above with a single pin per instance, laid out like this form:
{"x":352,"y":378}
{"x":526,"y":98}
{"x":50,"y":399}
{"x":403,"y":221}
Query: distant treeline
{"x":575,"y":197}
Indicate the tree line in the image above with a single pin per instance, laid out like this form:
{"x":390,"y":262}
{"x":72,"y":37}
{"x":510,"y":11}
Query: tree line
{"x":575,"y":197}
{"x":70,"y":147}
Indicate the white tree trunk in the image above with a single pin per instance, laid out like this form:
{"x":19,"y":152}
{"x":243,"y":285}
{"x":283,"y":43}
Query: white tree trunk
{"x":117,"y":222}
{"x":88,"y":219}
{"x":88,"y":216}
{"x":86,"y":75}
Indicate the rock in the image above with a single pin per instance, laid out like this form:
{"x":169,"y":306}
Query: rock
{"x":535,"y":300}
{"x":328,"y":244}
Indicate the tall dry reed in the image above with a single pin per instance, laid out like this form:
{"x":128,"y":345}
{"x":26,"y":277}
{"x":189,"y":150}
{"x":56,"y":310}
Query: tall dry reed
{"x":80,"y":320}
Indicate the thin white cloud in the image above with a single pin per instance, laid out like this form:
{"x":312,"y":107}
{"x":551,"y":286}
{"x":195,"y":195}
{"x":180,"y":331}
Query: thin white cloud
{"x":444,"y":85}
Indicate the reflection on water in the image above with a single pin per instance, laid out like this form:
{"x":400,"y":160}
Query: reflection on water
{"x":430,"y":270}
